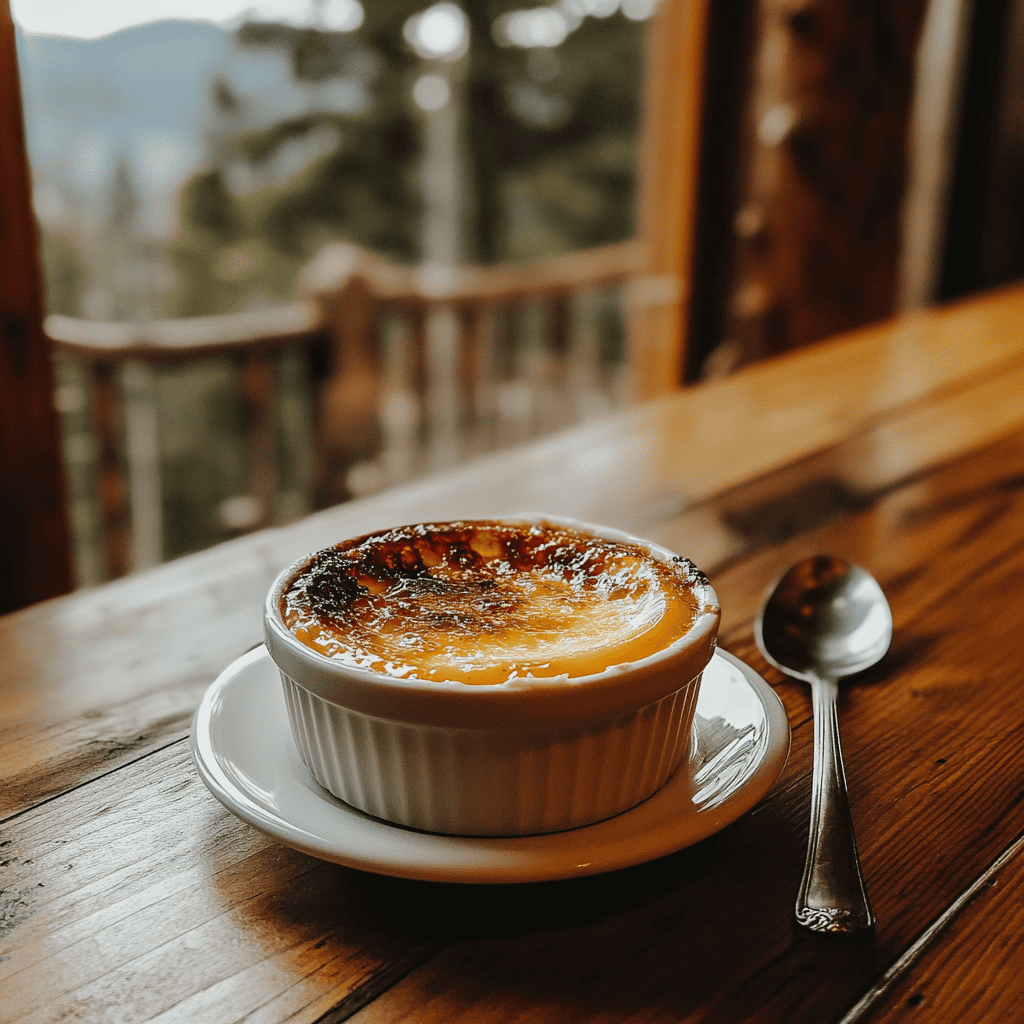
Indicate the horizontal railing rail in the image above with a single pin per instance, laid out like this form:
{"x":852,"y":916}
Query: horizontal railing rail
{"x":190,"y":338}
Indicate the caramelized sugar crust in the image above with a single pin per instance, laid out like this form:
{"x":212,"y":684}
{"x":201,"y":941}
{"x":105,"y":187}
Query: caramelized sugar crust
{"x":486,"y":602}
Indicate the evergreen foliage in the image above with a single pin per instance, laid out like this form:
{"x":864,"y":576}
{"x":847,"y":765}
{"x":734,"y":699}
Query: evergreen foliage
{"x":550,"y":151}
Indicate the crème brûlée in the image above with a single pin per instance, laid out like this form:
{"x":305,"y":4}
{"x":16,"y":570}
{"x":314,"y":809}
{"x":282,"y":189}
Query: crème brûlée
{"x":489,"y":602}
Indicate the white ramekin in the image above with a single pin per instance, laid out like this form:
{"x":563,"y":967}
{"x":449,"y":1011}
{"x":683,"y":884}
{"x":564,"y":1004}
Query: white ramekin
{"x":520,"y":758}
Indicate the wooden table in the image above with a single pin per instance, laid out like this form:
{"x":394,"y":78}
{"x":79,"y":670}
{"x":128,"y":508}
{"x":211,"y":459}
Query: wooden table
{"x":130,"y":894}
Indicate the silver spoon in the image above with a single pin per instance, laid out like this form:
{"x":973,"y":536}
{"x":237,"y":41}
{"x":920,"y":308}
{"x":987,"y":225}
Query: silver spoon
{"x":825,"y":619}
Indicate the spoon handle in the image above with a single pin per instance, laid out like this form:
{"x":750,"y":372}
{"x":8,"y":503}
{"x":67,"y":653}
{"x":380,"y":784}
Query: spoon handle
{"x":832,"y":897}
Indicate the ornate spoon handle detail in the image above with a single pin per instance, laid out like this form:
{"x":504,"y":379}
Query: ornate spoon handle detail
{"x":832,"y":897}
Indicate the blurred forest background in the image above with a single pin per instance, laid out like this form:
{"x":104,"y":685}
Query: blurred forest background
{"x":183,"y":169}
{"x":300,"y":135}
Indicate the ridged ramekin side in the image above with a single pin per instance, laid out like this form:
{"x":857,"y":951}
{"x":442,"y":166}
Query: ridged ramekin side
{"x":491,"y":781}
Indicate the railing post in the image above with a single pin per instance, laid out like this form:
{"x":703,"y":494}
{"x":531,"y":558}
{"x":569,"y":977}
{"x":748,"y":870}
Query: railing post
{"x":419,"y":374}
{"x":470,"y":361}
{"x":561,"y":326}
{"x":142,"y":458}
{"x":257,"y":378}
{"x":349,"y":401}
{"x":505,"y":342}
{"x":111,"y":483}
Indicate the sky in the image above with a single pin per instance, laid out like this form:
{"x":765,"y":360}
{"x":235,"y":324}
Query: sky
{"x":90,"y":19}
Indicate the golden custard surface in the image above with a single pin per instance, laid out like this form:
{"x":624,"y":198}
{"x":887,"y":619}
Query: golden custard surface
{"x":487,"y":602}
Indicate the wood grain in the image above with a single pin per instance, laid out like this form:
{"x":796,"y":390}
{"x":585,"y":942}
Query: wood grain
{"x":160,"y":877}
{"x":938,"y":988}
{"x":141,"y":882}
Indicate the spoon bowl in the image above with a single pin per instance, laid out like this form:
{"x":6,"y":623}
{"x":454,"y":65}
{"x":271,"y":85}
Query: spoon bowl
{"x":824,"y":619}
{"x":825,"y":616}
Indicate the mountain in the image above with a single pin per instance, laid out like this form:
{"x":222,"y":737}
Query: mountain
{"x":153,"y":76}
{"x":140,"y":95}
{"x":143,"y":96}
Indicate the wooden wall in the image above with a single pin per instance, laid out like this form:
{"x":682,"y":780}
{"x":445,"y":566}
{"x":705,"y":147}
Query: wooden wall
{"x":819,"y":178}
{"x":985,"y":232}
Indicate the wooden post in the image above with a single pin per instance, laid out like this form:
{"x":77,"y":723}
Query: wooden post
{"x":35,"y":555}
{"x":470,"y":360}
{"x":257,"y":376}
{"x":111,"y":479}
{"x":506,"y":341}
{"x":349,"y":401}
{"x":418,"y":369}
{"x":658,"y":301}
{"x":560,"y":327}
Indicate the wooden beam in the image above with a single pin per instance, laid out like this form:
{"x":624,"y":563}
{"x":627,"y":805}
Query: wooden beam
{"x":659,"y":299}
{"x":35,"y":560}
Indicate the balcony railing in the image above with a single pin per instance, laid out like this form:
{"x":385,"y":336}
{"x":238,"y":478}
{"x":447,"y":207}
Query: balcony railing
{"x":409,"y":369}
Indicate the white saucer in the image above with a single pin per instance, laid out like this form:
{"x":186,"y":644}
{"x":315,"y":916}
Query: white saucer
{"x":243,"y":748}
